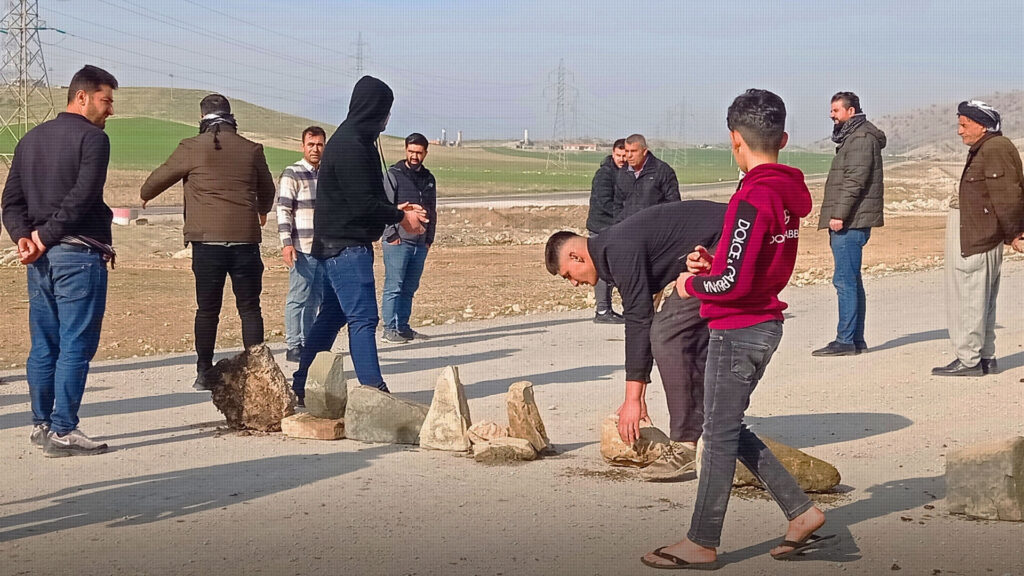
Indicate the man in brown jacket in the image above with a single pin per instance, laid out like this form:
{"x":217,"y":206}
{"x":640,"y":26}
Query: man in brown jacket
{"x":987,"y":213}
{"x":228,"y":193}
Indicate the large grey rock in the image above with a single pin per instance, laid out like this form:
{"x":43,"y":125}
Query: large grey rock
{"x":652,"y":444}
{"x":524,"y":418}
{"x":326,"y":386}
{"x":251,"y":391}
{"x":448,"y":419}
{"x":987,"y":480}
{"x":813,"y":474}
{"x":375,"y":416}
{"x":501,"y":450}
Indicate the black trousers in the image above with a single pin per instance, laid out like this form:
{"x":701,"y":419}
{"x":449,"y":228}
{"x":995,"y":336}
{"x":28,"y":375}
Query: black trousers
{"x":679,"y":342}
{"x":211,"y":264}
{"x":602,"y":290}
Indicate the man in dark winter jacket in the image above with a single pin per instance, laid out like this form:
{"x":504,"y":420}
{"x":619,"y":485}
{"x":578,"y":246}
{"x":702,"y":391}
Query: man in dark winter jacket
{"x":987,"y":213}
{"x":404,"y":253}
{"x":228,"y":192}
{"x":852,"y":207}
{"x":352,"y":210}
{"x":603,"y":210}
{"x":645,"y":181}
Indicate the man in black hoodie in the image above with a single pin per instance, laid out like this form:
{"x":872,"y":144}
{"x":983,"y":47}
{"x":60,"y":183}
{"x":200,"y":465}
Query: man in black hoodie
{"x":352,"y":210}
{"x":603,"y":212}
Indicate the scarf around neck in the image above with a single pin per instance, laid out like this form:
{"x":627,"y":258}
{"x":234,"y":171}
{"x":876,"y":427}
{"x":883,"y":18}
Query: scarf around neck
{"x":213,"y":122}
{"x":841,"y":131}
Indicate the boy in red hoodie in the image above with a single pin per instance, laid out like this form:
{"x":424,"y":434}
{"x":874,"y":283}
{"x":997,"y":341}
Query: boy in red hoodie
{"x":739,"y":292}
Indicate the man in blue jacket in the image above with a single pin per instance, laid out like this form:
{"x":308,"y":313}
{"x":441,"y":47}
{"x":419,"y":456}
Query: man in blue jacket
{"x":352,"y":210}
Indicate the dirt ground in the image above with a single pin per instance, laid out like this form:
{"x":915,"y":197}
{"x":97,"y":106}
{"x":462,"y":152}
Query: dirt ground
{"x":486,"y":263}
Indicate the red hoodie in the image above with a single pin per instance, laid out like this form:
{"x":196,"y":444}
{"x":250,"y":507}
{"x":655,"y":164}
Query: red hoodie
{"x":755,"y":257}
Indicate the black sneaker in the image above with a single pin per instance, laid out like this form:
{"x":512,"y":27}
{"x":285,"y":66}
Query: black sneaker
{"x":609,"y":317}
{"x":413,"y":335}
{"x":203,"y":384}
{"x":861,"y":347}
{"x":39,"y":434}
{"x":74,"y":443}
{"x":293,"y":354}
{"x":393,"y":337}
{"x":301,"y":403}
{"x":989,"y":366}
{"x":836,"y":349}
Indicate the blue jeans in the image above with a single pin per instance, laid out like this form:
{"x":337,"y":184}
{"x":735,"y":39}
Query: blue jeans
{"x":403,"y":267}
{"x":67,"y":288}
{"x":736,"y":361}
{"x":305,"y":290}
{"x":847,"y":248}
{"x":349,"y":297}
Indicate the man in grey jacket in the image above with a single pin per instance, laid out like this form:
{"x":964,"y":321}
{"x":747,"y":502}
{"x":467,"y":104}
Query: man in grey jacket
{"x":852,"y":207}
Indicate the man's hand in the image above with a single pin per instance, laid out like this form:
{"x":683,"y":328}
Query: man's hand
{"x":415,"y":218}
{"x":288,"y":254}
{"x":1018,"y":244}
{"x":28,"y":252}
{"x":681,"y":285}
{"x":835,"y":224}
{"x":632,"y":412}
{"x":698,"y":261}
{"x":263,"y":220}
{"x":144,"y":202}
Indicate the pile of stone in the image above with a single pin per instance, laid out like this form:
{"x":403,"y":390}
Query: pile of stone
{"x":362,"y":413}
{"x":813,"y":475}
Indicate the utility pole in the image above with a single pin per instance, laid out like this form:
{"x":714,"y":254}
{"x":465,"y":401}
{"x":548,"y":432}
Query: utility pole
{"x":360,"y":56}
{"x":561,"y":90}
{"x":23,"y":72}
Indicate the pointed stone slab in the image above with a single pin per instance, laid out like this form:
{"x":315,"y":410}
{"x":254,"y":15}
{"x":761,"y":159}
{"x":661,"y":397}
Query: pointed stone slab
{"x":813,"y":474}
{"x":448,"y":419}
{"x":308,"y":426}
{"x":375,"y":416}
{"x":251,"y":391}
{"x":524,"y":418}
{"x":987,"y":480}
{"x":326,"y":386}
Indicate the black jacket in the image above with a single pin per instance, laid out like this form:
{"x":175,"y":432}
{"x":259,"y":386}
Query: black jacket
{"x":351,"y":206}
{"x":657,"y":184}
{"x":55,"y":185}
{"x":603,"y":208}
{"x":403,"y":184}
{"x":854,"y":190}
{"x":643,"y":253}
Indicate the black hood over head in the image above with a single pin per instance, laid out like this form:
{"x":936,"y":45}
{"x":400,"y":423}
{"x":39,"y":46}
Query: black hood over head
{"x":369,"y":107}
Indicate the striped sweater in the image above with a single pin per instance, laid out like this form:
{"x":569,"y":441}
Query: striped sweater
{"x":296,"y":199}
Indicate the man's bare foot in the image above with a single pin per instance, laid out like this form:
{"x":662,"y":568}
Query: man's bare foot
{"x":800,"y":528}
{"x":684,"y":550}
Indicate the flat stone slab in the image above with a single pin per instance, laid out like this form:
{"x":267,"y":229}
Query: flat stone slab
{"x":308,"y":426}
{"x":327,"y":386}
{"x":987,"y":480}
{"x":376,"y":416}
{"x":503,"y":450}
{"x":813,"y":474}
{"x":486,"y":431}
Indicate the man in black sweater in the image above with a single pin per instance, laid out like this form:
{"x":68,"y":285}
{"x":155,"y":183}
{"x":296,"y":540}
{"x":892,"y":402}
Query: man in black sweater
{"x":352,"y":210}
{"x":603,"y":213}
{"x":641,"y":256}
{"x":53,"y":208}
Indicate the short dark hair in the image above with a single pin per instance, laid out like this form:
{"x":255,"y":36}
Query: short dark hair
{"x":620,"y":143}
{"x":760,"y":117}
{"x":417,"y":139}
{"x":314,"y":131}
{"x":554,"y":248}
{"x":636,"y":139}
{"x":850,"y":100}
{"x":90,"y":79}
{"x":214,"y":104}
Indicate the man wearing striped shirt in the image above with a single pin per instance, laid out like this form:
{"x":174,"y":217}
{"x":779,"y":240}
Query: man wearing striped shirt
{"x":295,"y":202}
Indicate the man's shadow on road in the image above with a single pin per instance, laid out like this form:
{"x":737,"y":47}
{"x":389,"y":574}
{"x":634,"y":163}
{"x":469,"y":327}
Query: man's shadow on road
{"x":808,"y":430}
{"x":157,"y":497}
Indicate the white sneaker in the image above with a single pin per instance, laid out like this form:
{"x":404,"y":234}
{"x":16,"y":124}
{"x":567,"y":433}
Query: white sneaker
{"x":74,"y":443}
{"x":39,"y":434}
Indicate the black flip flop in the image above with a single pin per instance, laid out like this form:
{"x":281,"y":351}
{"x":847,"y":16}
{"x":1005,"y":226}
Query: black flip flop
{"x":678,"y":563}
{"x":812,"y":542}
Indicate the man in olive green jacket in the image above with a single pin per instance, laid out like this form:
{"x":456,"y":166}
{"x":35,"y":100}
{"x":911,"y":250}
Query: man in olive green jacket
{"x":852,"y":206}
{"x":228,"y":193}
{"x":987,"y":213}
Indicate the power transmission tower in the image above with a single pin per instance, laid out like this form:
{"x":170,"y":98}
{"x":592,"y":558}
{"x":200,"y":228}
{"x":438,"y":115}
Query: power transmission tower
{"x":23,"y":71}
{"x":562,"y":90}
{"x":360,"y":56}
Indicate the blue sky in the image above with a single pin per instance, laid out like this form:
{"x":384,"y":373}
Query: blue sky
{"x":486,"y":68}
